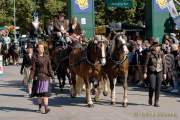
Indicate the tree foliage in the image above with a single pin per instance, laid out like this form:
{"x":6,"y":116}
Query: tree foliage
{"x":132,"y":15}
{"x":25,"y":9}
{"x":49,"y":8}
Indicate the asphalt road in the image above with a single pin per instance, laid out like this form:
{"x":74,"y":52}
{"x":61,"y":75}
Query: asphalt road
{"x":15,"y":106}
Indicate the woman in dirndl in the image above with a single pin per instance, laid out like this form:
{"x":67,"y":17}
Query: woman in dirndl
{"x":41,"y":73}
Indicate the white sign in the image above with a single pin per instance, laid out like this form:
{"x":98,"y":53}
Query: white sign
{"x":1,"y":65}
{"x":17,"y":27}
{"x":83,"y":21}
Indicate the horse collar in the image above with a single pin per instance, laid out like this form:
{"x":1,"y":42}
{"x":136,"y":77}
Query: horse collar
{"x":87,"y":60}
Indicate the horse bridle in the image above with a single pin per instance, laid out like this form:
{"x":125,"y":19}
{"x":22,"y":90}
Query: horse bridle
{"x":86,"y":56}
{"x":118,"y":62}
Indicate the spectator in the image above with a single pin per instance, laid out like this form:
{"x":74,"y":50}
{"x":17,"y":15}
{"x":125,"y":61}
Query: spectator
{"x":131,"y":47}
{"x":176,"y":53}
{"x":166,"y":43}
{"x":137,"y":61}
{"x":169,"y":59}
{"x":175,"y":40}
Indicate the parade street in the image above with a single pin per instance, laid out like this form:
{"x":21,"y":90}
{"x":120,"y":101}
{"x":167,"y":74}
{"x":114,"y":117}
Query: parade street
{"x":14,"y":105}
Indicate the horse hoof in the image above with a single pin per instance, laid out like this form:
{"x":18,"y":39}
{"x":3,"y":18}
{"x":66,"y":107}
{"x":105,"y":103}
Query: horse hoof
{"x":113,"y":103}
{"x":90,"y":105}
{"x":105,"y":93}
{"x":124,"y":105}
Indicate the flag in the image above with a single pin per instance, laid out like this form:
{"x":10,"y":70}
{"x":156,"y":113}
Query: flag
{"x":172,"y":9}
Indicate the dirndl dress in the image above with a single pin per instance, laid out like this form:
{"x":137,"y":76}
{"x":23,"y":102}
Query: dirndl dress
{"x":40,"y":88}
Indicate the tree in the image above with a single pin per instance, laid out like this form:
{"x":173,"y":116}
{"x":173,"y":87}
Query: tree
{"x":99,"y":12}
{"x":132,"y":15}
{"x":6,"y":14}
{"x":54,"y":6}
{"x":49,"y":8}
{"x":25,"y":9}
{"x":24,"y":12}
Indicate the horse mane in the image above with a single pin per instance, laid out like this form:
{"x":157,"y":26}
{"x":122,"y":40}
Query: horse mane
{"x":116,"y":37}
{"x":100,"y":38}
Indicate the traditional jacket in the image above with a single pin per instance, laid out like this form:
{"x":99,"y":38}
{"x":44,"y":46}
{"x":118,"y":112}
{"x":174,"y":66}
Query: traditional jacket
{"x":41,"y":68}
{"x":155,"y":62}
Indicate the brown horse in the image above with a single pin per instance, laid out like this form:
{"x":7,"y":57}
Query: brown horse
{"x":60,"y":62}
{"x":14,"y":53}
{"x":117,"y":65}
{"x":4,"y":52}
{"x":87,"y":64}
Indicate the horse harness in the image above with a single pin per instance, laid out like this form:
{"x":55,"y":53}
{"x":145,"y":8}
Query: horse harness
{"x":119,"y":62}
{"x":84,"y":58}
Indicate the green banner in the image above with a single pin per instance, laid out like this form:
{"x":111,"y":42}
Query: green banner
{"x":2,"y":27}
{"x":120,"y":3}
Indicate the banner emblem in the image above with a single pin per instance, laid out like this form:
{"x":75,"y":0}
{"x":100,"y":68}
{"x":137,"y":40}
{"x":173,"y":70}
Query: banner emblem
{"x":83,"y":4}
{"x":162,"y":3}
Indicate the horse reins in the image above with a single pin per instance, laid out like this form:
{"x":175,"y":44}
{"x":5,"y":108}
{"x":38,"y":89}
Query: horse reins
{"x":119,"y":62}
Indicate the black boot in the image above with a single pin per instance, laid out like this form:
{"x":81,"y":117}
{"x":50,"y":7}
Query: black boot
{"x":46,"y":109}
{"x":150,"y":101}
{"x":39,"y":110}
{"x":151,"y":92}
{"x":156,"y":104}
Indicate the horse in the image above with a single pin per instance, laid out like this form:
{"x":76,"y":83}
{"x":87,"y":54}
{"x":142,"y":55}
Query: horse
{"x":60,"y":62}
{"x":4,"y":52}
{"x":14,"y":53}
{"x":117,"y":65}
{"x":86,"y":63}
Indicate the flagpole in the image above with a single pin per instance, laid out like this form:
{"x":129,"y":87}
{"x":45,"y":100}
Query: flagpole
{"x":15,"y":20}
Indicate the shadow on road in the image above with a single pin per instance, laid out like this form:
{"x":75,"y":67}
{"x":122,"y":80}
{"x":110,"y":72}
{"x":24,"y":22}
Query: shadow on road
{"x":11,"y":95}
{"x":118,"y":104}
{"x":11,"y":84}
{"x":67,"y":101}
{"x":10,"y":109}
{"x":63,"y":101}
{"x":166,"y":94}
{"x":59,"y":91}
